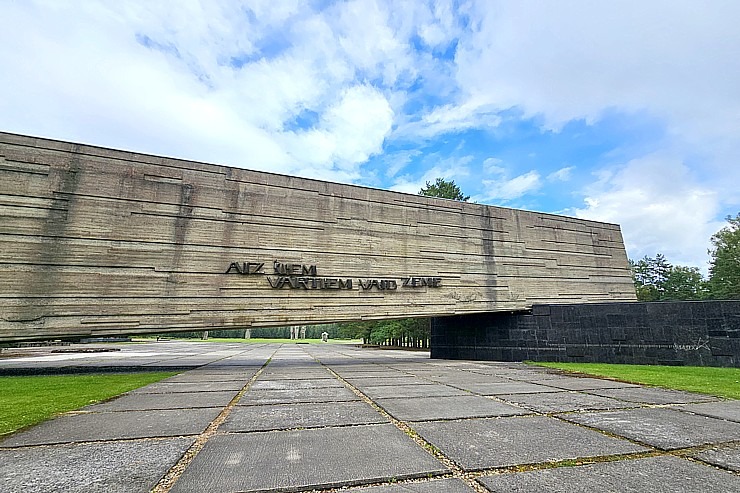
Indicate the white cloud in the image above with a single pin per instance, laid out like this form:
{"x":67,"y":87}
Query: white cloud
{"x":450,"y":118}
{"x":226,"y":82}
{"x":194,"y":83}
{"x":492,"y":165}
{"x":659,"y":206}
{"x":563,"y":174}
{"x":453,"y":169}
{"x":508,"y":189}
{"x":348,"y":132}
{"x":574,"y":59}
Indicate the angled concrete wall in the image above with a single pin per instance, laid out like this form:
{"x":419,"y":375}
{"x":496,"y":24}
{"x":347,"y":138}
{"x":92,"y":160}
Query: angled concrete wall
{"x":97,"y":241}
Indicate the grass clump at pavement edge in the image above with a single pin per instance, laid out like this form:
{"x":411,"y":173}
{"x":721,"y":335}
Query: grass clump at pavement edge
{"x":27,"y":400}
{"x":722,"y":382}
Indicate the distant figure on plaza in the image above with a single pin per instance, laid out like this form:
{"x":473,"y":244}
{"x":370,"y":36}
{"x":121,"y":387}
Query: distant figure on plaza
{"x":324,"y":337}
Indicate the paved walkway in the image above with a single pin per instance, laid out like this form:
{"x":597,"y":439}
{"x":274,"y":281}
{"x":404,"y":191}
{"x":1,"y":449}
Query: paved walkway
{"x":257,"y":418}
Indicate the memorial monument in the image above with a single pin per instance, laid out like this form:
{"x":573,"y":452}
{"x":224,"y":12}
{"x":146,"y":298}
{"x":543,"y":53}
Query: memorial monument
{"x":98,"y":242}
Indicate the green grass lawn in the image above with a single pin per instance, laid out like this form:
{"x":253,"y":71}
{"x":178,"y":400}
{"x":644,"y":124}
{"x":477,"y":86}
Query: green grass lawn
{"x":25,"y":401}
{"x":723,"y":382}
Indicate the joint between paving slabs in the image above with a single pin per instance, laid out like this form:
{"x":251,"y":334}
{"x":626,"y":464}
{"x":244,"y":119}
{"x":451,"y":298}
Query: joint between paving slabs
{"x":469,"y":477}
{"x":683,"y":452}
{"x":575,"y":462}
{"x":168,"y":480}
{"x":455,"y":470}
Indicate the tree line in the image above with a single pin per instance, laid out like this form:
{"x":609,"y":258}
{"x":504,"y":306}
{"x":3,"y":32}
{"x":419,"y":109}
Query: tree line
{"x":656,"y":279}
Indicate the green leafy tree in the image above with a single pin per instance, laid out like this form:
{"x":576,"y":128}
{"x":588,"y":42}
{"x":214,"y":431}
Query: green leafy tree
{"x":684,"y":283}
{"x":724,"y":270}
{"x":657,"y":280}
{"x":444,"y":189}
{"x":644,"y":279}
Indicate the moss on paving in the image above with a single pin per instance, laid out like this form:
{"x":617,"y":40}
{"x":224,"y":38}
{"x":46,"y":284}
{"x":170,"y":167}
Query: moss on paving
{"x":27,"y":400}
{"x":722,"y":382}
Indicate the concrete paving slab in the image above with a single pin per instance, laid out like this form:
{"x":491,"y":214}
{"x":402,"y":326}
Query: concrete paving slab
{"x":366,"y":373}
{"x":285,"y":416}
{"x":119,"y":467}
{"x":663,"y":428}
{"x":506,"y":388}
{"x":115,"y":426}
{"x":175,"y":400}
{"x":429,"y":390}
{"x":282,"y":375}
{"x":195,"y":376}
{"x":727,"y":456}
{"x":464,"y":380}
{"x":446,"y":407}
{"x":322,"y":383}
{"x":449,"y":485}
{"x":381,"y":381}
{"x":166,"y":387}
{"x":262,"y":397}
{"x":517,"y":439}
{"x":487,"y":443}
{"x":583,"y":383}
{"x":729,"y":410}
{"x":306,"y":459}
{"x":653,"y":474}
{"x":564,"y":402}
{"x":653,"y":395}
{"x":242,"y":363}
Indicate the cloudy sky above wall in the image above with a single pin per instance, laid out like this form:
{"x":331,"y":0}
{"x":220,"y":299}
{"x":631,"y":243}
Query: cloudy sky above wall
{"x":624,"y":111}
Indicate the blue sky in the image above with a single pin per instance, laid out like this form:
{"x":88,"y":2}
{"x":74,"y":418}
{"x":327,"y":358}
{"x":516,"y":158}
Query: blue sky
{"x":624,"y":111}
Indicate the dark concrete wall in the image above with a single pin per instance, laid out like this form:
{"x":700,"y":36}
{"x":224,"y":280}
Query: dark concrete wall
{"x":697,"y":333}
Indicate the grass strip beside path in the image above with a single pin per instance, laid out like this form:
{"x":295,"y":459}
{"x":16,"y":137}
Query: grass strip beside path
{"x":28,"y":400}
{"x":722,"y":382}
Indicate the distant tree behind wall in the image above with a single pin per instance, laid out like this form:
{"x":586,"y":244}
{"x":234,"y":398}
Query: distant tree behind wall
{"x":724,"y":270}
{"x":657,"y":280}
{"x":444,"y":189}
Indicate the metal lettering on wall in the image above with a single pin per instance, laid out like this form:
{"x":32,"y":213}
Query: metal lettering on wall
{"x":301,"y":276}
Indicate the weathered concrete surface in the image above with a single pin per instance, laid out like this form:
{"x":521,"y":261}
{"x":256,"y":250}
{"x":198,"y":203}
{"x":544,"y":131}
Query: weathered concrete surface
{"x":663,"y":428}
{"x":110,"y":467}
{"x":434,"y":486}
{"x":307,"y":458}
{"x":277,"y":444}
{"x":446,"y":407}
{"x":173,"y":400}
{"x":72,"y":428}
{"x":564,"y":402}
{"x":654,"y":474}
{"x":116,"y":242}
{"x":729,"y":410}
{"x":488,"y":443}
{"x":305,"y":415}
{"x":725,"y":456}
{"x":643,"y":395}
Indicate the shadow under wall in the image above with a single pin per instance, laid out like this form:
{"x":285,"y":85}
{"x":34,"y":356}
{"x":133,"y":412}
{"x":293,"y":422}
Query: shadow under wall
{"x":691,"y":333}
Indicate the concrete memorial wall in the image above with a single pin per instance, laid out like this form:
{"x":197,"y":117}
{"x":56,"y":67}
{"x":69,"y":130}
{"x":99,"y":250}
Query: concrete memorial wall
{"x":96,"y":241}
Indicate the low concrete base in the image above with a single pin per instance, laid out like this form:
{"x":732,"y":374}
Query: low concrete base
{"x":692,"y":333}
